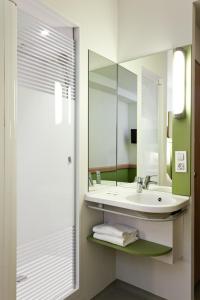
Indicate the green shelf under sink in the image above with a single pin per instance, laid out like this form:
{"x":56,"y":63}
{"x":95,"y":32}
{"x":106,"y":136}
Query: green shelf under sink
{"x":139,"y":248}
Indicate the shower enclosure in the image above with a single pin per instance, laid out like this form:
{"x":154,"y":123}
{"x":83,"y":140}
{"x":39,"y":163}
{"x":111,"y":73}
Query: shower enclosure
{"x":44,"y":121}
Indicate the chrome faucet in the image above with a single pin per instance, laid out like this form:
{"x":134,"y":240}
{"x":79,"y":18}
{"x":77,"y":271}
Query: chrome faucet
{"x":148,"y":181}
{"x":139,"y":181}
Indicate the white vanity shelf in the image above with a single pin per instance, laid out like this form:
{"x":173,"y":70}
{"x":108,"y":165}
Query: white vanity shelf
{"x":158,"y":216}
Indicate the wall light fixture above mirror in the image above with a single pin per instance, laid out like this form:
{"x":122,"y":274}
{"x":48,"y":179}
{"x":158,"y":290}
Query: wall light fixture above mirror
{"x":179,"y":65}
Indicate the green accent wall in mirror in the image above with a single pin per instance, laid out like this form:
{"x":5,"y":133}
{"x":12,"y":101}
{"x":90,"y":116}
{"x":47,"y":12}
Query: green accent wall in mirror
{"x":123,"y":175}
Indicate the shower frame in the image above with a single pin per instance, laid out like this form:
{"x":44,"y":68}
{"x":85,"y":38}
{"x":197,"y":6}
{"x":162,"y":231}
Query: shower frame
{"x":8,"y":79}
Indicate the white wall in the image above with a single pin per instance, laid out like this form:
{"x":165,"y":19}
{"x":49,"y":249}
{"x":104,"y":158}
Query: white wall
{"x":127,"y":116}
{"x":157,"y":65}
{"x":102,"y":123}
{"x":123,"y":133}
{"x":8,"y":229}
{"x":98,"y":31}
{"x":127,"y":119}
{"x":132,"y":117}
{"x":147,"y":27}
{"x":2,"y":269}
{"x":172,"y":282}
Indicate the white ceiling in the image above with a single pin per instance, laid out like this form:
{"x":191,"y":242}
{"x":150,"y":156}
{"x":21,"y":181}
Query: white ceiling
{"x":146,"y":27}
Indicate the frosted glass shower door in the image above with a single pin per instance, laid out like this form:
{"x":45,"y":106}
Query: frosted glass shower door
{"x":46,"y":226}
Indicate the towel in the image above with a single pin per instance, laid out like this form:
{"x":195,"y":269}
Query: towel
{"x":116,"y":230}
{"x":115,"y":240}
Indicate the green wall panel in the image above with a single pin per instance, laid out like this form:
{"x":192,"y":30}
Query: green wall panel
{"x":122,"y":175}
{"x":181,"y":184}
{"x":132,"y":173}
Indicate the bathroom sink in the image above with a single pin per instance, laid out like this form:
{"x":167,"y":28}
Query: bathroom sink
{"x":147,"y":201}
{"x":155,"y":202}
{"x":160,"y":188}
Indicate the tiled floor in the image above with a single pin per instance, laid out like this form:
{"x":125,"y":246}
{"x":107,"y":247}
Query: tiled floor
{"x":123,"y":291}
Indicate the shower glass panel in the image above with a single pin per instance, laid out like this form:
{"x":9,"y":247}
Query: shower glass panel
{"x":45,"y":110}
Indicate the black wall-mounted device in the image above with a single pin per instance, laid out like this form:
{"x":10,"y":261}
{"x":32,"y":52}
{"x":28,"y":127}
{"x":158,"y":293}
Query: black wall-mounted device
{"x":133,"y":136}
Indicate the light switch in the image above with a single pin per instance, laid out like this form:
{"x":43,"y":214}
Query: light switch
{"x":180,"y":156}
{"x":181,"y":161}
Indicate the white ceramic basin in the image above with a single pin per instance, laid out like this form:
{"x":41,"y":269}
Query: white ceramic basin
{"x":156,"y":201}
{"x":147,"y":201}
{"x":160,"y":188}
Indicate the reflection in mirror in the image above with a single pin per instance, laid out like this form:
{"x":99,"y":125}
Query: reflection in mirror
{"x":145,"y":86}
{"x":127,"y":126}
{"x":130,"y":121}
{"x":102,"y":121}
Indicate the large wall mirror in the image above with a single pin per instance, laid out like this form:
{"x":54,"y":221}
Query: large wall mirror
{"x":130,"y":120}
{"x":102,"y":121}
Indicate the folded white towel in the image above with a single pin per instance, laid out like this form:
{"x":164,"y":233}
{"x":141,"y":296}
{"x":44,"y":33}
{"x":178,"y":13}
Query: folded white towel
{"x":115,"y":240}
{"x":117,"y":230}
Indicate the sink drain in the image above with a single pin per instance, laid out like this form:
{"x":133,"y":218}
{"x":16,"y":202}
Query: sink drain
{"x":159,"y":199}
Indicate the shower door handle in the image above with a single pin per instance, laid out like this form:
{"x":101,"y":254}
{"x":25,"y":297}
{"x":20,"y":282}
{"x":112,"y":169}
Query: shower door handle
{"x":21,"y":278}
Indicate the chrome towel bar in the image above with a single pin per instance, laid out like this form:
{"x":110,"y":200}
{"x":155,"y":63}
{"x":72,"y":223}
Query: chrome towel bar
{"x":136,"y":215}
